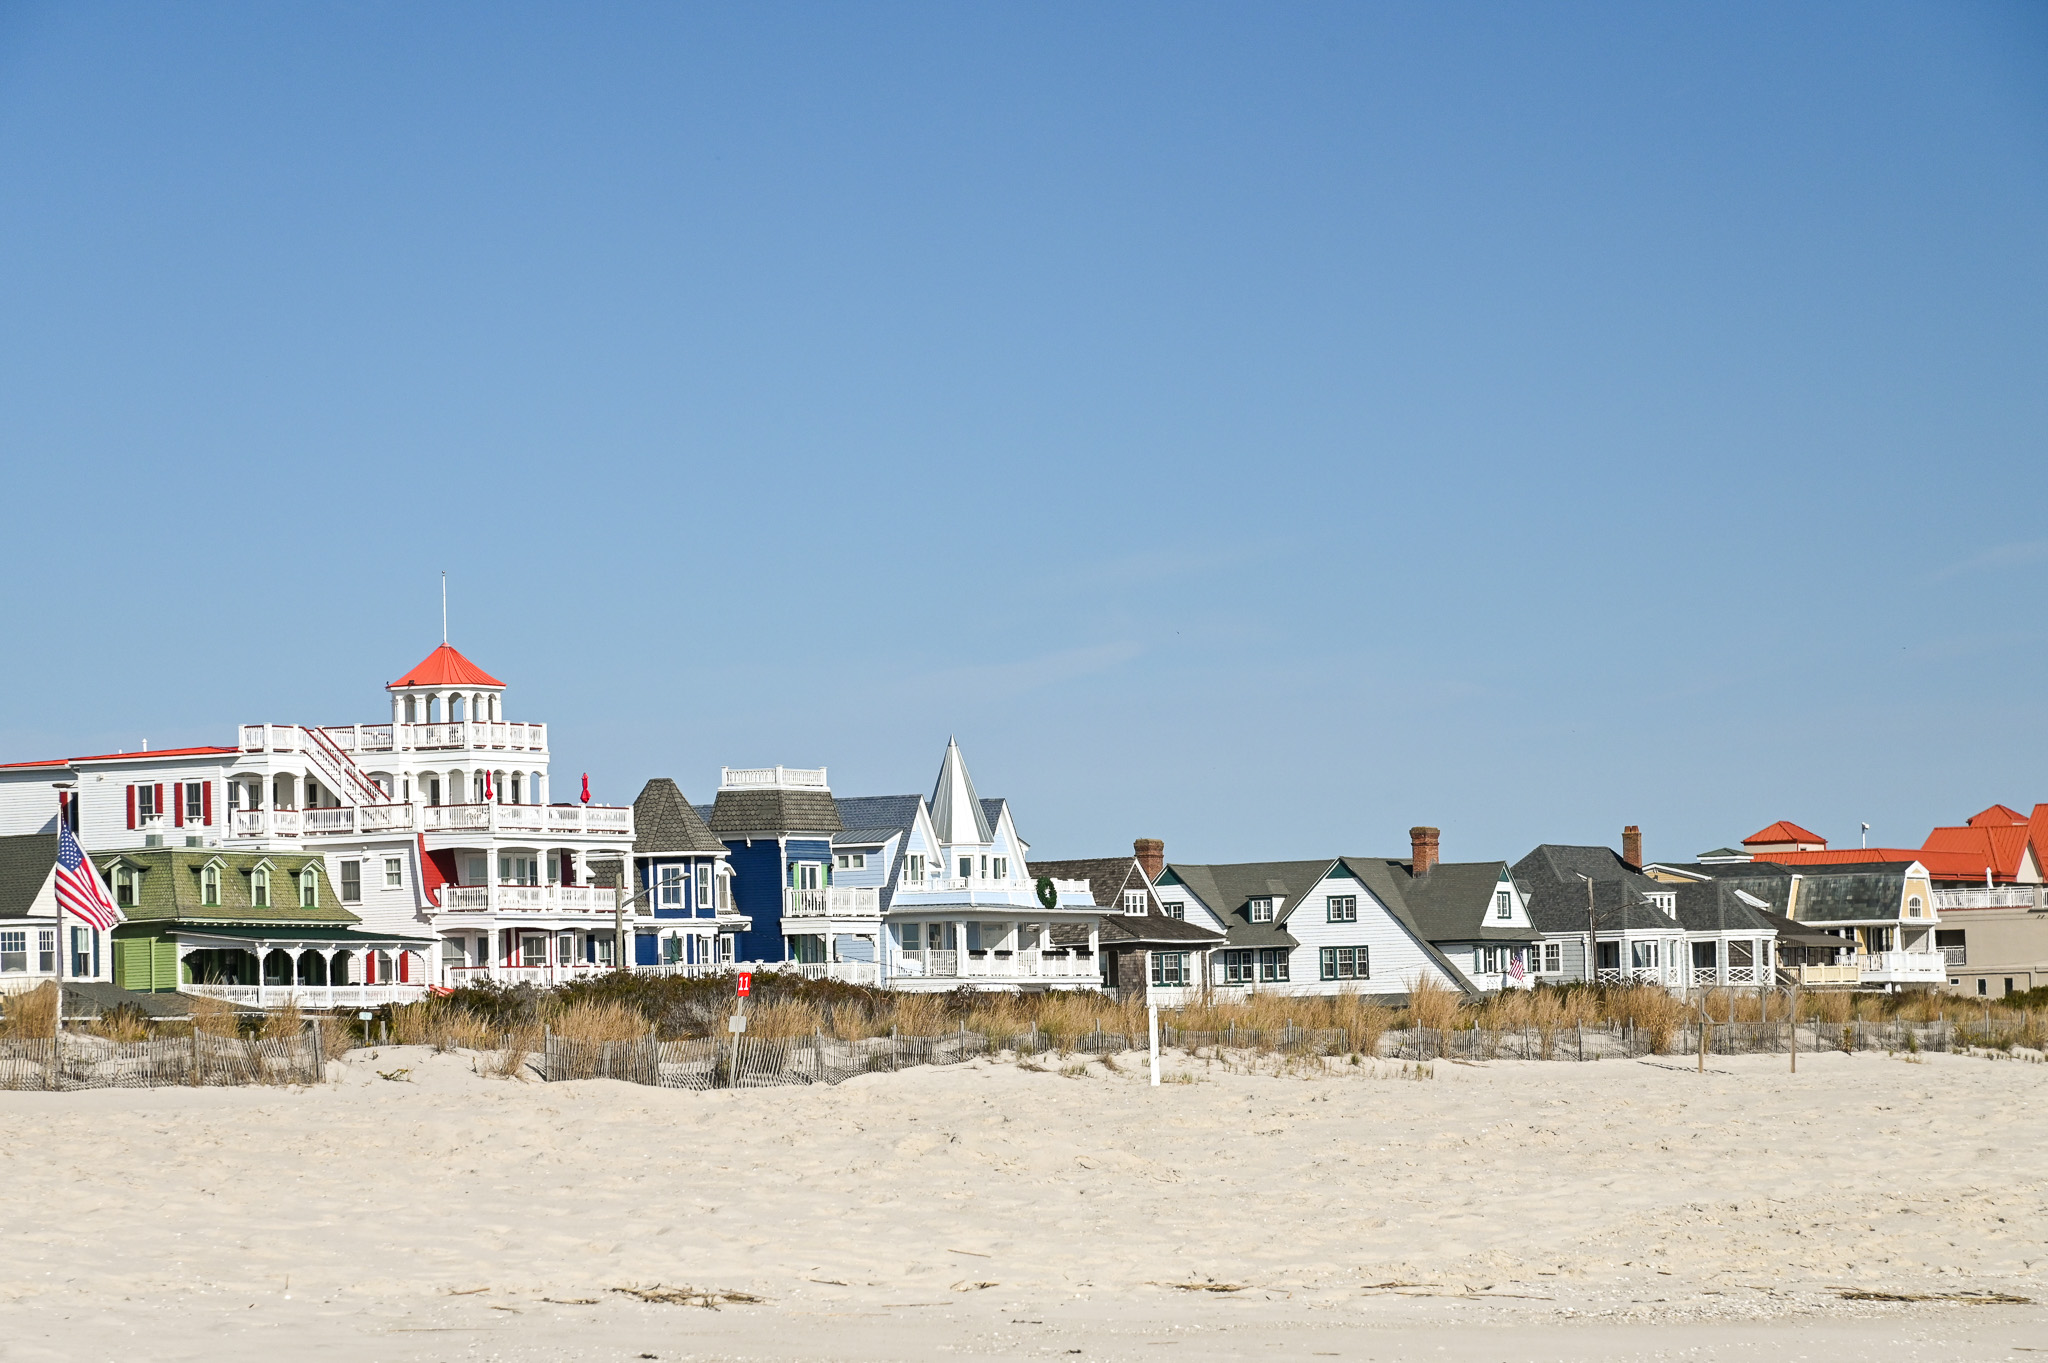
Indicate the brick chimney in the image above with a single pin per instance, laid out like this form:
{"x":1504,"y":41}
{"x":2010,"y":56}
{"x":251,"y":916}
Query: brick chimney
{"x":1632,"y":846}
{"x":1151,"y":854}
{"x":1422,"y":848}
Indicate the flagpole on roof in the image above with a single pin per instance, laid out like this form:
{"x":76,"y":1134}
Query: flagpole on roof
{"x":444,"y":605}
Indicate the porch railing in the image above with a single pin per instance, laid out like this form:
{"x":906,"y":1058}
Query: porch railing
{"x":601,"y":820}
{"x":309,"y":995}
{"x":529,"y":898}
{"x":1901,"y":966}
{"x":1997,"y":897}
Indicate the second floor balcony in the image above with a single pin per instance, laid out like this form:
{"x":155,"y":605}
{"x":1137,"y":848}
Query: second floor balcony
{"x":342,"y":821}
{"x":460,"y":734}
{"x":529,"y":899}
{"x":837,"y":902}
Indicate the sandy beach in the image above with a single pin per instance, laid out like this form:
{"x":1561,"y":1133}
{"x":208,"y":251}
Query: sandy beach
{"x":413,"y":1209}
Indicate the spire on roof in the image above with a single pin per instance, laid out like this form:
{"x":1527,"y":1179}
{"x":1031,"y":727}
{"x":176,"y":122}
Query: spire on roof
{"x":957,"y":815}
{"x":445,"y":667}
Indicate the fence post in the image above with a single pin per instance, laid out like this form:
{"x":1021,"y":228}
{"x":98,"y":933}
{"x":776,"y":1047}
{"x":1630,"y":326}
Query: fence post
{"x":319,"y":1052}
{"x":195,"y":1053}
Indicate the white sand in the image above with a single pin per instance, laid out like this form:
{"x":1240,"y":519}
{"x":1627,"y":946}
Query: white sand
{"x":1619,"y":1209}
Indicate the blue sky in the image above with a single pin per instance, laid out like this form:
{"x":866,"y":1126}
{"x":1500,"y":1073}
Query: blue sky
{"x":1259,"y":427}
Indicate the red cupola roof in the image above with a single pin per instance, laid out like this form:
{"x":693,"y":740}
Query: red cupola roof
{"x":1784,"y":830}
{"x":445,"y":667}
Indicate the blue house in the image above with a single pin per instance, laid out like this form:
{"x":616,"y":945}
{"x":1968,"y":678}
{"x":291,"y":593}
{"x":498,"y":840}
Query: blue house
{"x":683,"y":910}
{"x":776,"y":825}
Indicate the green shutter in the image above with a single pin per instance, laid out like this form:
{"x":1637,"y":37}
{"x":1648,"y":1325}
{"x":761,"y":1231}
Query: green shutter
{"x":165,"y":970}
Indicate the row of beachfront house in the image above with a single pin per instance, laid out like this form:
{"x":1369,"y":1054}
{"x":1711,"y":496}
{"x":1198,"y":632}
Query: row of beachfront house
{"x":374,"y":862}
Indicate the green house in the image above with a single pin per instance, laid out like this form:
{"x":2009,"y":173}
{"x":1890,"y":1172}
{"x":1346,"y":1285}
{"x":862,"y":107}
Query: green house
{"x":245,"y":924}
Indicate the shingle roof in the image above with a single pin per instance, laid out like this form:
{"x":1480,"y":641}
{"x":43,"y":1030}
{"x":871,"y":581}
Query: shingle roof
{"x":1454,"y":901}
{"x":740,"y":812}
{"x":445,"y":667}
{"x":25,"y":862}
{"x":1229,"y":887}
{"x":168,"y":889}
{"x":1149,"y":928}
{"x":1106,"y":876}
{"x":1716,"y":906}
{"x":1868,"y":892}
{"x":1549,"y":875}
{"x":663,"y":821}
{"x":874,"y":818}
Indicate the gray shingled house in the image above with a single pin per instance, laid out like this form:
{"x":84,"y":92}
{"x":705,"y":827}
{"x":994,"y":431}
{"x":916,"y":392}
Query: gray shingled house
{"x":1146,"y":953}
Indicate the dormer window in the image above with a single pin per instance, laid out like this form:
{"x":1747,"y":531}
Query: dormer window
{"x":1503,"y":904}
{"x":1262,"y":910}
{"x":1174,"y":909}
{"x":1134,"y":901}
{"x":209,"y":885}
{"x":1002,"y":868}
{"x":259,"y":887}
{"x":124,"y":887}
{"x":309,"y":888}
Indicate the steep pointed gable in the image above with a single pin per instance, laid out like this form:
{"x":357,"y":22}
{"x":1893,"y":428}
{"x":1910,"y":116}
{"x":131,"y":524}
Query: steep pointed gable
{"x":957,"y":813}
{"x":663,"y":821}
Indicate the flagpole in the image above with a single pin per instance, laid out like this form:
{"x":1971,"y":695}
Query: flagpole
{"x":58,"y":961}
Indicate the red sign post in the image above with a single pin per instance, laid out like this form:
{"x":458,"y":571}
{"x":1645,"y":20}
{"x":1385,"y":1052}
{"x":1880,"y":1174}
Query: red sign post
{"x":746,"y":983}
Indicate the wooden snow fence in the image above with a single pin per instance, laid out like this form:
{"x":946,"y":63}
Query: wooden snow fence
{"x":73,"y":1060}
{"x":751,"y":1062}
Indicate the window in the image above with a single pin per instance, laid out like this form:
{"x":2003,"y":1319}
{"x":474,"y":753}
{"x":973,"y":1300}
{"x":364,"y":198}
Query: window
{"x":984,"y":868}
{"x":1262,"y":910}
{"x":533,"y":951}
{"x":1174,"y":909}
{"x":853,"y":861}
{"x":1553,"y":957}
{"x":1134,"y":901}
{"x":1237,"y":966}
{"x":967,"y":868}
{"x":1742,"y":955}
{"x":1503,"y":904}
{"x":195,"y":803}
{"x":1705,"y":955}
{"x":309,"y":888}
{"x":1170,"y":970}
{"x":1343,"y":909}
{"x":13,"y":951}
{"x":124,"y":887}
{"x":1486,"y":960}
{"x":672,"y":886}
{"x":1345,"y":963}
{"x":1981,"y":986}
{"x":1608,"y":956}
{"x":84,"y":944}
{"x":46,"y":951}
{"x":704,"y":903}
{"x":913,"y":870}
{"x":671,"y":950}
{"x":1002,"y":868}
{"x":351,"y":882}
{"x":259,"y":887}
{"x":145,"y":802}
{"x":1643,"y":955}
{"x":515,"y":790}
{"x":455,"y":952}
{"x":1272,"y":964}
{"x":2008,"y":984}
{"x":805,"y":875}
{"x":394,"y":873}
{"x":1913,"y":907}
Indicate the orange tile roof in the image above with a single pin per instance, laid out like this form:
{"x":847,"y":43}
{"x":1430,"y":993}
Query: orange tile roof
{"x":1942,"y":865}
{"x":1784,"y":830}
{"x":1999,"y":846}
{"x":1996,"y":815}
{"x":120,"y":757}
{"x":445,"y":667}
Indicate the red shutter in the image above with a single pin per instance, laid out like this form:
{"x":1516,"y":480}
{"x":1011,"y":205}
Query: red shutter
{"x":206,"y":804}
{"x":131,"y":806}
{"x":178,"y":805}
{"x":159,"y":799}
{"x":404,"y":973}
{"x":369,"y":967}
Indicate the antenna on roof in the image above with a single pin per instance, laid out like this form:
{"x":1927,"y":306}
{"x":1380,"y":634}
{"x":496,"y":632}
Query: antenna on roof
{"x":444,"y":611}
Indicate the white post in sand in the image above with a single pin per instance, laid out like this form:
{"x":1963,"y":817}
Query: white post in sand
{"x":1154,"y":1012}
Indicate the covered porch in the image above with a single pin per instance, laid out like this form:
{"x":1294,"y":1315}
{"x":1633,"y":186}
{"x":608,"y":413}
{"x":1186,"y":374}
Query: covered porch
{"x":942,"y":947}
{"x":314,"y":967}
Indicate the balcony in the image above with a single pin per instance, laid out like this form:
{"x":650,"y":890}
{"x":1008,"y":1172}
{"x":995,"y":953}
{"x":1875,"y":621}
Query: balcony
{"x":1999,"y":897}
{"x":265,"y":823}
{"x":1902,"y":967}
{"x":837,"y":902}
{"x":459,"y":734}
{"x":605,"y":821}
{"x":998,"y":966}
{"x":528,"y":899}
{"x":1810,"y":976}
{"x":545,"y":976}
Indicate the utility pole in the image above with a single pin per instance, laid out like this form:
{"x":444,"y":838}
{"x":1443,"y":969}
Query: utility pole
{"x":1592,"y":933}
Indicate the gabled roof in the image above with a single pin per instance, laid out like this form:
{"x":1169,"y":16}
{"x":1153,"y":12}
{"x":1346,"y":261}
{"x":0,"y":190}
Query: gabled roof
{"x":445,"y":667}
{"x":874,"y":819}
{"x":25,"y":862}
{"x":1549,"y":876}
{"x":958,"y":814}
{"x":1453,"y":900}
{"x":1999,"y":847}
{"x":1870,"y":891}
{"x":1716,"y":906}
{"x":663,"y":821}
{"x":1942,"y":865}
{"x":1784,"y":830}
{"x":1994,"y":816}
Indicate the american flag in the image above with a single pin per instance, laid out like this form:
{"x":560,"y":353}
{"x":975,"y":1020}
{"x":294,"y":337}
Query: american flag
{"x":79,"y":888}
{"x":1515,"y":965}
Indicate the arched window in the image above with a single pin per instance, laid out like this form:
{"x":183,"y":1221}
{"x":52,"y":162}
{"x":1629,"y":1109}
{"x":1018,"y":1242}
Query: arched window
{"x":1913,"y":907}
{"x":433,"y":709}
{"x":457,"y":709}
{"x":259,"y":887}
{"x":411,"y":710}
{"x":209,"y":886}
{"x":309,"y":888}
{"x":515,"y":789}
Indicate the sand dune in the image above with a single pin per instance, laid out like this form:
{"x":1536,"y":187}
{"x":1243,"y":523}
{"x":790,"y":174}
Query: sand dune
{"x":1616,"y":1208}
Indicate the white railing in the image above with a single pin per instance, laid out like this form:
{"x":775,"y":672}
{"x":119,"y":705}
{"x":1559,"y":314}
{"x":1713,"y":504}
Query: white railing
{"x":849,"y":901}
{"x":359,"y":737}
{"x":2005,"y":897}
{"x":338,"y":820}
{"x":384,"y":818}
{"x":1894,"y":967}
{"x":459,"y":975}
{"x":309,"y":995}
{"x":270,"y":738}
{"x":605,"y":821}
{"x":528,"y":898}
{"x":477,"y":733}
{"x":1821,"y":974}
{"x":260,"y":823}
{"x":1029,"y":964}
{"x":1955,"y":957}
{"x":771,"y":778}
{"x":804,"y":903}
{"x":846,"y":972}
